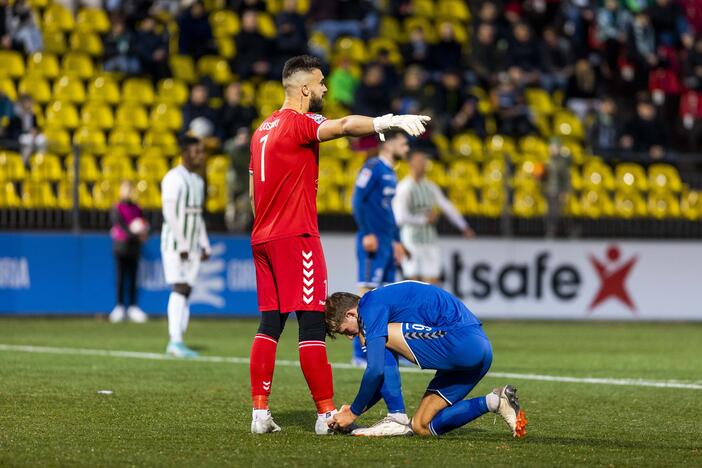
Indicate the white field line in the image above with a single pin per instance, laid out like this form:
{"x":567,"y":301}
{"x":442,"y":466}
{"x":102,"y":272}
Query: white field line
{"x":341,"y":365}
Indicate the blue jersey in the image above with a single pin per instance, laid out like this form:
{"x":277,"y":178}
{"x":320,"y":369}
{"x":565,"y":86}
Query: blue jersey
{"x":411,"y":302}
{"x":372,"y":200}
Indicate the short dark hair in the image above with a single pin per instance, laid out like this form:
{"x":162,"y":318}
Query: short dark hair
{"x":335,"y":309}
{"x":391,"y":135}
{"x":300,"y":63}
{"x":188,"y":140}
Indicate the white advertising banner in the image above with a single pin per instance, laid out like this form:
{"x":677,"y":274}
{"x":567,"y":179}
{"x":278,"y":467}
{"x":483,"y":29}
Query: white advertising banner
{"x":539,"y":279}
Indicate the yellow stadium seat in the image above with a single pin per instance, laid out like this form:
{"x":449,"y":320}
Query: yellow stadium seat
{"x":216,"y":68}
{"x":151,"y":168}
{"x":172,"y":91}
{"x":132,"y":116}
{"x":598,"y":176}
{"x":576,"y":178}
{"x":117,"y":167}
{"x":57,"y":140}
{"x":58,"y":18}
{"x":226,"y":47}
{"x":351,"y":48}
{"x":270,"y":92}
{"x":266,"y":26}
{"x":539,"y":101}
{"x":401,"y":169}
{"x":534,"y":147}
{"x":331,"y":171}
{"x":78,"y":64}
{"x":38,"y":3}
{"x":65,"y":196}
{"x":88,"y":170}
{"x":217,"y":197}
{"x":37,"y":87}
{"x":11,"y":63}
{"x":126,"y":138}
{"x":103,"y":89}
{"x":465,"y":200}
{"x":527,"y":174}
{"x":423,"y":8}
{"x":596,"y":203}
{"x":493,"y":173}
{"x":11,"y":166}
{"x":500,"y":145}
{"x":148,"y":194}
{"x":105,"y":194}
{"x":88,"y":42}
{"x":391,"y":29}
{"x":631,"y":176}
{"x":436,"y":172}
{"x":61,"y":115}
{"x":629,"y":204}
{"x":162,"y":139}
{"x":691,"y":205}
{"x":37,"y":194}
{"x":464,"y":174}
{"x":663,"y":204}
{"x":573,"y":149}
{"x":318,"y":41}
{"x":567,"y":124}
{"x":90,"y":140}
{"x":528,"y":203}
{"x":468,"y":145}
{"x":43,"y":63}
{"x":218,"y":167}
{"x":96,"y":114}
{"x":7,"y":87}
{"x":664,"y":177}
{"x":492,"y":201}
{"x":456,"y":10}
{"x":8,"y":196}
{"x":166,"y":117}
{"x":183,"y":68}
{"x":572,"y":206}
{"x":423,"y":23}
{"x":152,"y":152}
{"x":54,"y":42}
{"x":69,"y":89}
{"x":225,"y":23}
{"x":45,"y":166}
{"x":138,"y":91}
{"x":92,"y":20}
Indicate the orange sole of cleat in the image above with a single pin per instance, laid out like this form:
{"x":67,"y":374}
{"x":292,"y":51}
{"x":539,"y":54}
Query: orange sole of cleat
{"x":520,"y":430}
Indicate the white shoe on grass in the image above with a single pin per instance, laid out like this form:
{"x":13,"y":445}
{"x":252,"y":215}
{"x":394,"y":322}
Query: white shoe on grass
{"x":321,"y":426}
{"x":263,"y":423}
{"x":117,"y":314}
{"x":510,"y":410}
{"x":136,"y":315}
{"x":179,"y":350}
{"x":386,"y":427}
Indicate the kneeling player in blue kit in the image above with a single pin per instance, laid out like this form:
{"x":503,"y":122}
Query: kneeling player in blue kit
{"x":434,"y":330}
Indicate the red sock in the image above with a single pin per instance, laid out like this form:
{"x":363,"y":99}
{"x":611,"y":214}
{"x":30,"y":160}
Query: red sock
{"x":261,"y":367}
{"x":318,"y":374}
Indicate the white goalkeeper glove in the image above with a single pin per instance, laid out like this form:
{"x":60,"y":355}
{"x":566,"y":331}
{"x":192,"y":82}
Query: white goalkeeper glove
{"x":414,"y":125}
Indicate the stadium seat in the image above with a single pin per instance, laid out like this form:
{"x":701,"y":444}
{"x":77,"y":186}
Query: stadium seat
{"x":468,"y":145}
{"x":37,"y":194}
{"x":423,"y":23}
{"x":539,"y":101}
{"x":691,"y":205}
{"x":484,"y":102}
{"x":90,"y":140}
{"x":37,"y":87}
{"x":500,"y":145}
{"x":138,"y":91}
{"x":61,"y":115}
{"x":528,"y":203}
{"x":44,"y":64}
{"x":598,"y":176}
{"x":631,"y":176}
{"x":572,"y":206}
{"x":566,"y":124}
{"x":270,"y":92}
{"x":330,"y":170}
{"x":65,"y":196}
{"x":58,"y":18}
{"x":663,"y":204}
{"x":88,"y":170}
{"x":225,"y":23}
{"x":391,"y":29}
{"x":151,"y":168}
{"x":7,"y":87}
{"x":226,"y":47}
{"x":629,"y":204}
{"x":596,"y":203}
{"x":103,"y":89}
{"x":492,"y":201}
{"x":319,"y":43}
{"x":105,"y":194}
{"x":58,"y":140}
{"x":576,"y":179}
{"x":11,"y":64}
{"x":218,"y":166}
{"x":125,"y":138}
{"x":436,"y":172}
{"x":183,"y":68}
{"x":465,"y":200}
{"x":166,"y":117}
{"x":87,"y":42}
{"x":117,"y":167}
{"x":423,"y":8}
{"x":96,"y":114}
{"x":172,"y":91}
{"x":266,"y":26}
{"x":573,"y":149}
{"x":45,"y":166}
{"x":351,"y":48}
{"x":664,"y":177}
{"x":132,"y":116}
{"x":456,"y":10}
{"x":534,"y":147}
{"x":162,"y":139}
{"x":148,"y":194}
{"x":527,"y":174}
{"x":378,"y":44}
{"x":78,"y":64}
{"x":54,"y":42}
{"x":92,"y":20}
{"x":216,"y":68}
{"x":216,"y":197}
{"x":8,"y":196}
{"x":493,"y":173}
{"x":69,"y":89}
{"x":11,"y":166}
{"x":464,"y":174}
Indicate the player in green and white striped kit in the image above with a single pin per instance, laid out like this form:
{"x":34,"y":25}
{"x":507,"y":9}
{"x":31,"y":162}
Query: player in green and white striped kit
{"x":417,"y":205}
{"x":184,"y":242}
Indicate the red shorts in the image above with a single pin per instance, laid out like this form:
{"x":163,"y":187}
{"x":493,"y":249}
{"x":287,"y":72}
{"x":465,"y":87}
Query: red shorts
{"x":291,"y":274}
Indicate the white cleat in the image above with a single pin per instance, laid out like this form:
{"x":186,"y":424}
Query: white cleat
{"x":117,"y":314}
{"x":136,"y":315}
{"x":263,"y":424}
{"x":386,"y":427}
{"x":321,"y":426}
{"x":510,"y":410}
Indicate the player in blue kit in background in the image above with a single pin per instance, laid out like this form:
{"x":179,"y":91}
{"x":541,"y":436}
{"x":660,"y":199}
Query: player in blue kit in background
{"x":435,"y":330}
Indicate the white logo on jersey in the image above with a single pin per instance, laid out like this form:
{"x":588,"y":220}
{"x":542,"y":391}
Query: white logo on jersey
{"x":363,"y":177}
{"x":317,"y":118}
{"x":269,"y":125}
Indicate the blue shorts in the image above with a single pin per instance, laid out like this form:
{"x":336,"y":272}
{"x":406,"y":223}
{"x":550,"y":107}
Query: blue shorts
{"x":376,"y":268}
{"x":460,"y":355}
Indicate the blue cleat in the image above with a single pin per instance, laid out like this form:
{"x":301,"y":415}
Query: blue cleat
{"x":179,"y":350}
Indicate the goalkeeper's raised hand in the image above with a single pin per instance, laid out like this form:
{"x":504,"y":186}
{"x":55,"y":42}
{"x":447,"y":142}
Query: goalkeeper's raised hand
{"x":413,"y":125}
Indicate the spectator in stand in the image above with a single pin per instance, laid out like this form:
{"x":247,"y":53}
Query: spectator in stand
{"x":467,"y":119}
{"x":355,"y":18}
{"x":693,"y":67}
{"x":198,"y":108}
{"x":240,"y":6}
{"x":693,"y":14}
{"x":152,"y":50}
{"x":342,"y":83}
{"x":485,"y":59}
{"x":117,"y":45}
{"x":642,"y":50}
{"x":613,"y":22}
{"x":253,"y":51}
{"x":5,"y":37}
{"x":372,"y":96}
{"x":557,"y":60}
{"x":235,"y":115}
{"x":195,"y":33}
{"x":582,"y":89}
{"x":645,"y":132}
{"x":416,"y":50}
{"x":8,"y":139}
{"x":389,"y":70}
{"x":450,"y":96}
{"x":488,"y":13}
{"x":524,"y":53}
{"x":511,"y":110}
{"x":669,"y":23}
{"x":26,"y":35}
{"x":414,"y":96}
{"x":605,"y":130}
{"x":24,"y":127}
{"x":447,"y":53}
{"x":292,"y":34}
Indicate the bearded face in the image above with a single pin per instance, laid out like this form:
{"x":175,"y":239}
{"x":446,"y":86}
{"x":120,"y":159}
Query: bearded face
{"x":316,"y":102}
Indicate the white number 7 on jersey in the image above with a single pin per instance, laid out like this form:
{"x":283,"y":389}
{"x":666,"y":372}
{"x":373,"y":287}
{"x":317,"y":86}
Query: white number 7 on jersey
{"x":263,"y":157}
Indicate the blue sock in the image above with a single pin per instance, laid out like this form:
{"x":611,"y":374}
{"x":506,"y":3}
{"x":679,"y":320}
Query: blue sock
{"x":358,"y":351}
{"x":458,"y":415}
{"x":392,"y":386}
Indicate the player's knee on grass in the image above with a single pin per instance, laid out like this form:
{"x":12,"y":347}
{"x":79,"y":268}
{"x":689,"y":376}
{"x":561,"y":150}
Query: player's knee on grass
{"x":183,"y":289}
{"x":420,"y":428}
{"x":272,"y":324}
{"x":312,"y":326}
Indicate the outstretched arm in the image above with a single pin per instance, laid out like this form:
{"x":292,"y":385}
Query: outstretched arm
{"x":359,"y":125}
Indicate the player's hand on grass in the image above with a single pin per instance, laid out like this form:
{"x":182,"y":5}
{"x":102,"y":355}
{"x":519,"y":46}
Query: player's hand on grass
{"x":343,"y":418}
{"x":370,"y":243}
{"x":468,"y":233}
{"x":205,"y":255}
{"x":413,"y":125}
{"x":184,"y":255}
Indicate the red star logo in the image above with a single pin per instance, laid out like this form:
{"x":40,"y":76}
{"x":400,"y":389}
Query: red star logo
{"x":613,"y":279}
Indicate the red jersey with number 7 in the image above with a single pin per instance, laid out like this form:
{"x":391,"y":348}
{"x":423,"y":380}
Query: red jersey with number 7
{"x":285,"y":167}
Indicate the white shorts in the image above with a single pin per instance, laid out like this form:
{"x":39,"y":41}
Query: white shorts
{"x":176,"y":270}
{"x":424,"y":261}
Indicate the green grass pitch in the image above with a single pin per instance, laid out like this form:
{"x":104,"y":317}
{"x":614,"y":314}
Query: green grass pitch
{"x":195,"y":413}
